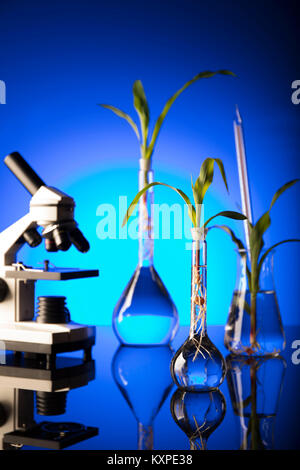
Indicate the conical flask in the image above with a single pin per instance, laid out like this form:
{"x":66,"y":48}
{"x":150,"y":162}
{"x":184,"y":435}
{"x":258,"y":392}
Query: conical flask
{"x":255,"y":385}
{"x":254,"y":325}
{"x":145,"y":313}
{"x":143,"y":377}
{"x":198,"y":365}
{"x":198,"y":414}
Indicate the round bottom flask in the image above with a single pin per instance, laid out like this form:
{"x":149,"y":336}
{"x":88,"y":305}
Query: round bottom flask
{"x":198,"y":365}
{"x":145,"y":313}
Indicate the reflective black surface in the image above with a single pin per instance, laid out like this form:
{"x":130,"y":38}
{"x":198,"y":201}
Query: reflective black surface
{"x":128,"y":399}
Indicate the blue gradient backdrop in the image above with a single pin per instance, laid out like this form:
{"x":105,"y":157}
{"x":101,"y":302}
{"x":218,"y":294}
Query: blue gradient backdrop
{"x":59,"y":58}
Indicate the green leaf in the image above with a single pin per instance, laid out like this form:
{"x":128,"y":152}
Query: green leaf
{"x":222,"y":171}
{"x":191,"y":209}
{"x":204,"y":179}
{"x":171,"y":100}
{"x":247,"y":401}
{"x":123,"y":115}
{"x":256,"y":236}
{"x":256,"y":244}
{"x":257,"y":231}
{"x":206,"y":175}
{"x":198,"y":205}
{"x":234,"y":238}
{"x":141,"y":106}
{"x":262,"y":224}
{"x":194,"y":192}
{"x":229,"y":214}
{"x":262,"y":259}
{"x":281,"y":190}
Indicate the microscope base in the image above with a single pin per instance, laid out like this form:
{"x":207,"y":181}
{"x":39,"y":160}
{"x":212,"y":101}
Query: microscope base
{"x":48,"y":339}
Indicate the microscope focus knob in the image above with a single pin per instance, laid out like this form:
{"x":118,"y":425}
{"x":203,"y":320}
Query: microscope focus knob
{"x":3,"y":289}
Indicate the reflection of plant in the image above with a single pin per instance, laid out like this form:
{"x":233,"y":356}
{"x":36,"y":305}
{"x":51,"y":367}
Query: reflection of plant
{"x":147,"y":142}
{"x":252,"y":438}
{"x":256,"y":258}
{"x":199,"y":189}
{"x":253,"y":431}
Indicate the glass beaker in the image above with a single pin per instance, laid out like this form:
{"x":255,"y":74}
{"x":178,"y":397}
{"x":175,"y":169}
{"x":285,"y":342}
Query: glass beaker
{"x":254,"y":325}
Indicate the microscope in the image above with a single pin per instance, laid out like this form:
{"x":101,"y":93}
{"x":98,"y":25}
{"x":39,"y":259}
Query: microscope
{"x":52,"y":330}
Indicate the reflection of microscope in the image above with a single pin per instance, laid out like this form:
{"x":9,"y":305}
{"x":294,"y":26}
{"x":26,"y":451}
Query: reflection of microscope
{"x":24,"y":385}
{"x":52,"y":332}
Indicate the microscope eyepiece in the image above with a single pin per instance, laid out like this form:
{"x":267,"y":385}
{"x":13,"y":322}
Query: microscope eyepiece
{"x":23,"y":171}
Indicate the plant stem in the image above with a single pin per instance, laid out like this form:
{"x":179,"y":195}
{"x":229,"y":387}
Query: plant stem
{"x":253,"y":321}
{"x":144,"y":205}
{"x":195,"y":274}
{"x":198,"y":214}
{"x":145,"y":221}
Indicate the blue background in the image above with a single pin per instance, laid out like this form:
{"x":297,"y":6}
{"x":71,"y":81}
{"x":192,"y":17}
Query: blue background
{"x":59,"y":58}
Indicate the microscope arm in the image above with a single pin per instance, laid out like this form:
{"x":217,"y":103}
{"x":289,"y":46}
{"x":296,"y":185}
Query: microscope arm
{"x":11,"y":239}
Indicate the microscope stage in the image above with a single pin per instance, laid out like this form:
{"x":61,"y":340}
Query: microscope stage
{"x":54,"y":274}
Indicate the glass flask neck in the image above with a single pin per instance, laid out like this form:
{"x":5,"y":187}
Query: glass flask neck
{"x":198,"y":288}
{"x":146,"y":239}
{"x":198,"y":444}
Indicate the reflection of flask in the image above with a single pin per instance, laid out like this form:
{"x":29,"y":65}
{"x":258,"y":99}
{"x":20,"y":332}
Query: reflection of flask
{"x":145,"y":313}
{"x":198,"y":414}
{"x":143,"y":377}
{"x":255,"y":385}
{"x":198,"y":365}
{"x":254,"y":324}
